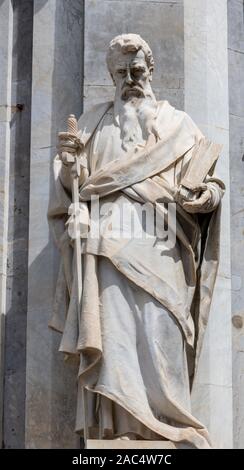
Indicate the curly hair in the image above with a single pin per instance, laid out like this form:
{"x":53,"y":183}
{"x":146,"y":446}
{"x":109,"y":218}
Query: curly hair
{"x":128,"y":43}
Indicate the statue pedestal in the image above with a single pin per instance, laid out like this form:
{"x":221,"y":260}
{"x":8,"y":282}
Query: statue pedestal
{"x":128,"y":444}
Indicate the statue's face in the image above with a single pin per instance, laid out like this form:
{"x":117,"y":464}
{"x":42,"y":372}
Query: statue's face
{"x":131,"y":75}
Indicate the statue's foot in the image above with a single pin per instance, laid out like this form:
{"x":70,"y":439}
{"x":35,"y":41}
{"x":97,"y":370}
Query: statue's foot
{"x":122,"y":438}
{"x":127,"y":437}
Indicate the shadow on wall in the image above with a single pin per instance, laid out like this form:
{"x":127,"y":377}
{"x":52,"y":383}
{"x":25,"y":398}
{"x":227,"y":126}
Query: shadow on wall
{"x":38,"y":5}
{"x":17,"y":267}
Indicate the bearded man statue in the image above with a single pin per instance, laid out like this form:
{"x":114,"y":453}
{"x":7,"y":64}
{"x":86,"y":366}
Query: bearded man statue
{"x":138,"y":329}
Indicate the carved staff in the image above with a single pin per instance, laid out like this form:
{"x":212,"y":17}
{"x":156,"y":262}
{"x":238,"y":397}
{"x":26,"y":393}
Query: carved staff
{"x":78,"y":166}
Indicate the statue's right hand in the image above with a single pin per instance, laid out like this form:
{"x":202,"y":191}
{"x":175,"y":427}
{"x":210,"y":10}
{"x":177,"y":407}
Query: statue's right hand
{"x":67,"y":145}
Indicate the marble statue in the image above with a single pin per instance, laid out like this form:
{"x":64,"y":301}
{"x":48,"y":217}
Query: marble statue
{"x":143,"y":303}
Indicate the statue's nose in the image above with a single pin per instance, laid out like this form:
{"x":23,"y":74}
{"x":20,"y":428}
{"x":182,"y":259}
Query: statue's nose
{"x":128,"y":79}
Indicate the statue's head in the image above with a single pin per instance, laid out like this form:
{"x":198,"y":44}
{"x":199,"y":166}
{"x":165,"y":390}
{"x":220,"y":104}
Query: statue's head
{"x":130,"y":63}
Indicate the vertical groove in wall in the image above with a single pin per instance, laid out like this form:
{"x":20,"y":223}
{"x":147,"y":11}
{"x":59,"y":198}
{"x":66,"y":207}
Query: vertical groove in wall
{"x":81,"y":440}
{"x":6,"y":36}
{"x":83,"y":53}
{"x":236,"y":120}
{"x":17,"y":268}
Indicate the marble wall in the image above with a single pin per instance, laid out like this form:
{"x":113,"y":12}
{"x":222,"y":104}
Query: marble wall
{"x":58,"y":50}
{"x":6,"y":38}
{"x":236,"y":119}
{"x":207,"y":102}
{"x":154,"y":21}
{"x":18,"y":227}
{"x":56,"y":92}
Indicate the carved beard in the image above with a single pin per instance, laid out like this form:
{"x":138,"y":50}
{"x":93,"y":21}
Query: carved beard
{"x":136,"y":118}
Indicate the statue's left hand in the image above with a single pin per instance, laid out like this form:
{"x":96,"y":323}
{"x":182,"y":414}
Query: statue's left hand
{"x":200,"y":203}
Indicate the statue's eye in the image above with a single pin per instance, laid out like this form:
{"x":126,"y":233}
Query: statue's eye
{"x":138,"y":71}
{"x":121,"y":71}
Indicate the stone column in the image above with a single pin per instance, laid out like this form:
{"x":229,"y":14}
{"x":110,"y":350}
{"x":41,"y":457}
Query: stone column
{"x":206,"y":100}
{"x":56,"y":92}
{"x":6,"y":35}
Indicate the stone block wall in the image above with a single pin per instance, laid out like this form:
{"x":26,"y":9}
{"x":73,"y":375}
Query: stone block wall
{"x":53,"y":63}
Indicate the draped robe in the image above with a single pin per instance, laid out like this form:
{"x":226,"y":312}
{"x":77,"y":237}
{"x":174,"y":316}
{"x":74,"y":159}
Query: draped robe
{"x":143,"y":305}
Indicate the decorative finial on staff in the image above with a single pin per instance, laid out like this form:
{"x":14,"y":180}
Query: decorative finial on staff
{"x":72,"y":125}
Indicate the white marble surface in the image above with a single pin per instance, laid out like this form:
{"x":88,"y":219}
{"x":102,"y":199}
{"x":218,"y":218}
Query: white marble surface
{"x":128,"y":444}
{"x":206,"y":100}
{"x":205,"y":92}
{"x":6,"y":25}
{"x":236,"y":100}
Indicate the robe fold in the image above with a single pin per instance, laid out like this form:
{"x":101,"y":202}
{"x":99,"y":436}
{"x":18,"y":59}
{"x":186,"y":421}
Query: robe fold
{"x":144,"y":301}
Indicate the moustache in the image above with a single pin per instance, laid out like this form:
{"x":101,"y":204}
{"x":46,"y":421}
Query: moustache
{"x":129,"y":90}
